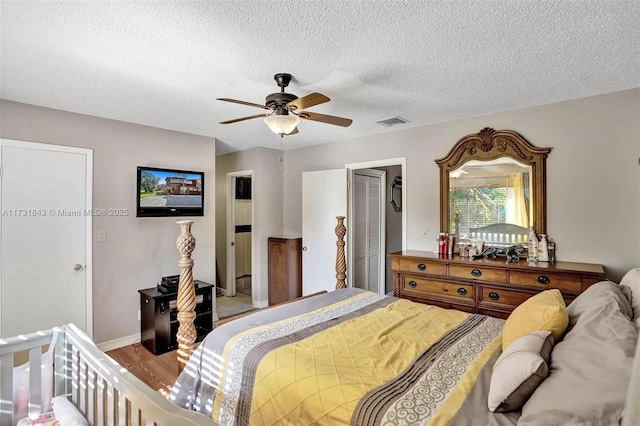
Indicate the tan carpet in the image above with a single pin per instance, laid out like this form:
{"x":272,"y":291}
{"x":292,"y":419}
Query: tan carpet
{"x":230,"y":306}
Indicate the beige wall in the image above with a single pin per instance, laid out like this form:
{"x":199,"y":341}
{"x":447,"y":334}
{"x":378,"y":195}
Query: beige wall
{"x":267,"y":206}
{"x":593,"y":189}
{"x":138,"y":251}
{"x":593,"y":177}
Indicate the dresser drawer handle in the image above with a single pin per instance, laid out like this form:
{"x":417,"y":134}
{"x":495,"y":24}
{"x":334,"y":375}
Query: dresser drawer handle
{"x":543,"y":279}
{"x":462,"y":291}
{"x":494,"y":296}
{"x":476,"y":272}
{"x":413,"y":284}
{"x":422,"y":267}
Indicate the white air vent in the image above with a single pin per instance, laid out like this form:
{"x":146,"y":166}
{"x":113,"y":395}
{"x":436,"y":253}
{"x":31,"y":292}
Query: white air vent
{"x":392,"y":121}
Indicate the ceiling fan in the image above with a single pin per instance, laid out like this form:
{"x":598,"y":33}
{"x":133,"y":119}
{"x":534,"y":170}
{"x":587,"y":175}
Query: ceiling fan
{"x":286,"y":109}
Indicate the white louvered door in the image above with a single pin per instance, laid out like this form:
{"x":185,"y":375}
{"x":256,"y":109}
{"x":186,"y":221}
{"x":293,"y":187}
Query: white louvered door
{"x":368,"y":215}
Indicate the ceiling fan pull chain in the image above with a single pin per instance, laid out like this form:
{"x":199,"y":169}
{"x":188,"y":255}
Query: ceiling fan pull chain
{"x":282,"y":152}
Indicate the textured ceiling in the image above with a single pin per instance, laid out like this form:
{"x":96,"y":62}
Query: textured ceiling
{"x":163,"y":63}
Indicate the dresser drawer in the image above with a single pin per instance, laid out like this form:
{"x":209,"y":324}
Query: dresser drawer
{"x":472,"y":272}
{"x":423,"y":267}
{"x":436,"y":288}
{"x":544,"y":280}
{"x":502,"y":296}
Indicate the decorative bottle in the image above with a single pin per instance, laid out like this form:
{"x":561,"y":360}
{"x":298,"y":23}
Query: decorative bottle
{"x":543,"y":250}
{"x":533,"y":246}
{"x":551,"y":248}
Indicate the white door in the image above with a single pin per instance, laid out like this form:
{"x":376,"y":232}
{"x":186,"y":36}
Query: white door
{"x":324,"y":197}
{"x":368,"y":230}
{"x":45,"y":260}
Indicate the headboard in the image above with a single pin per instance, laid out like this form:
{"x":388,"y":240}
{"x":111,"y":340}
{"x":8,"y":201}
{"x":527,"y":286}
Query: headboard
{"x":500,"y":234}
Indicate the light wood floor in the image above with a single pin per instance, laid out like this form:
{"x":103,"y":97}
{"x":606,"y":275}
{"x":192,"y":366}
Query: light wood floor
{"x":161,"y":371}
{"x":157,"y":371}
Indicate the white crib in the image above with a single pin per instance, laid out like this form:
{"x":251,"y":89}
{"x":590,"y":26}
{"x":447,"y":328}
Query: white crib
{"x":103,"y":391}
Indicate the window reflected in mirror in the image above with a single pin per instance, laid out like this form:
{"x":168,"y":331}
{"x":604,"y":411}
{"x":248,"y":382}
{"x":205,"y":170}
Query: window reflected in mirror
{"x":483,"y":193}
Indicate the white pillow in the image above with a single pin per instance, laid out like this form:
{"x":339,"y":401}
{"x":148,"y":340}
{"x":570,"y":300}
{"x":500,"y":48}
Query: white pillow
{"x":632,"y":280}
{"x":519,"y":371}
{"x":67,"y":413}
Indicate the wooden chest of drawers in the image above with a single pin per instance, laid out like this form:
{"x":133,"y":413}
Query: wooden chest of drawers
{"x":487,"y":286}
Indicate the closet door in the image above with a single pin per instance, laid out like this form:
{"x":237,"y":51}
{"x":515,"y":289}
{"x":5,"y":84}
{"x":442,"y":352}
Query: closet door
{"x":45,"y":269}
{"x":368,"y":230}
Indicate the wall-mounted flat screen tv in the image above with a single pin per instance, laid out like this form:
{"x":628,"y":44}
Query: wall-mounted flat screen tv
{"x":169,"y":192}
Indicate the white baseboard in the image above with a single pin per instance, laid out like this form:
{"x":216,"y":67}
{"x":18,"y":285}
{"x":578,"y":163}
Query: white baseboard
{"x":118,"y":343}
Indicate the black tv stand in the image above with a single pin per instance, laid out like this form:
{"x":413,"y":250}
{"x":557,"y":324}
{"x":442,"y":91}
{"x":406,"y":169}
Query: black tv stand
{"x":159,"y":322}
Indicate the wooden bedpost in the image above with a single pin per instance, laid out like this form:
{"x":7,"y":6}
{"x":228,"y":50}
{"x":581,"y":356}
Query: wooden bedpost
{"x":341,"y":264}
{"x":186,"y":303}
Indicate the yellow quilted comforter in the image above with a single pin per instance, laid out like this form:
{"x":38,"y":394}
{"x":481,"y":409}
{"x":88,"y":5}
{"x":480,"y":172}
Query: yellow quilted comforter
{"x":369,"y":359}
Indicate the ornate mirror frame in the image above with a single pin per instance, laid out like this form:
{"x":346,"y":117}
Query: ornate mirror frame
{"x":395,"y":194}
{"x":490,"y":144}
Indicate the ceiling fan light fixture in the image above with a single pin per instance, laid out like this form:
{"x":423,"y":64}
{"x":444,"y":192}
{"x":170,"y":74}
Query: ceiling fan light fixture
{"x":282,"y":124}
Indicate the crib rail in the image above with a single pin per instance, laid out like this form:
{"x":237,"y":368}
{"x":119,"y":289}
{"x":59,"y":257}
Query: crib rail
{"x":102,"y":390}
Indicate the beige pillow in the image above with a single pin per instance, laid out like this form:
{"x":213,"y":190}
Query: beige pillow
{"x":519,"y":371}
{"x":632,"y":280}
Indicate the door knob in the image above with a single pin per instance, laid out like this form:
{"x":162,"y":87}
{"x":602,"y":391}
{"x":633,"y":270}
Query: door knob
{"x":304,"y":248}
{"x":78,"y":267}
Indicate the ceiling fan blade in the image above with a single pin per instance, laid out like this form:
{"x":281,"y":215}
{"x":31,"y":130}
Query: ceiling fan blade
{"x":308,"y":101}
{"x":323,"y":118}
{"x":243,"y":118}
{"x":235,"y":101}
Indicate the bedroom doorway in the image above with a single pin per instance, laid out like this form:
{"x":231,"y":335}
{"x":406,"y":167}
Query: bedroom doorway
{"x":46,"y":236}
{"x":329,"y":193}
{"x":393,"y":219}
{"x":237,"y":297}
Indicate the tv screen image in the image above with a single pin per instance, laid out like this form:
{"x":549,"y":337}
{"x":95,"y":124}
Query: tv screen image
{"x":170,"y":192}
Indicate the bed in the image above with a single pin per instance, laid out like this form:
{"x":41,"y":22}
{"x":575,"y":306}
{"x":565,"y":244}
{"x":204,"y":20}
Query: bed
{"x":355,"y":357}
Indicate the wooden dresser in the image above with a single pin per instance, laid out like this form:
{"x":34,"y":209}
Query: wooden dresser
{"x":486,"y":286}
{"x":285,"y":269}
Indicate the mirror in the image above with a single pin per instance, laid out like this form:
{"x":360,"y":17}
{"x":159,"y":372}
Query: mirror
{"x":395,"y":195}
{"x":492,"y":189}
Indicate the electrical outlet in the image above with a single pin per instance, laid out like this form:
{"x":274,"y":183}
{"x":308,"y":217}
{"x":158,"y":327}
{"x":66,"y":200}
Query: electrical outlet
{"x":102,"y":236}
{"x":424,"y":233}
{"x":138,"y":314}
